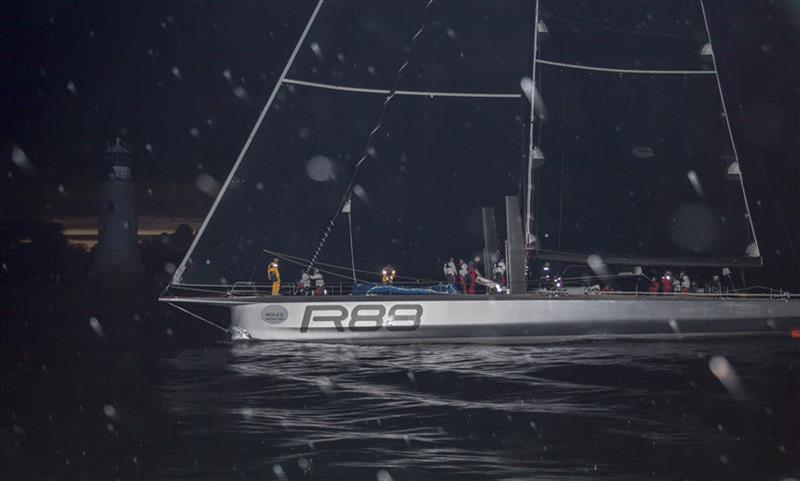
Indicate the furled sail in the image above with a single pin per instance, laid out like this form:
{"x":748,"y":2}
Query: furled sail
{"x":636,"y":152}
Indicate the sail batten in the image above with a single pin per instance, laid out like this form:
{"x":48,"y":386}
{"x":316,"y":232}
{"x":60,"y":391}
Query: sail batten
{"x":420,"y":93}
{"x":629,"y":71}
{"x":622,"y":260}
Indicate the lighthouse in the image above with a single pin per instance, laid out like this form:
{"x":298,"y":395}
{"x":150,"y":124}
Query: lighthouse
{"x":117,"y":252}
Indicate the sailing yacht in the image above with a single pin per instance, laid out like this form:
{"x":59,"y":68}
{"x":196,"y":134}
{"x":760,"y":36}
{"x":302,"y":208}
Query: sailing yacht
{"x":394,"y":126}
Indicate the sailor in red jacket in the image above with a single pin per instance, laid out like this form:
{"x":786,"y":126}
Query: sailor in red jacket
{"x":473,"y":277}
{"x":666,"y":282}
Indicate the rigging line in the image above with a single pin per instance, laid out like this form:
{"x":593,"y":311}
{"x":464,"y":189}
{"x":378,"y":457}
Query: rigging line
{"x":419,"y":93}
{"x":352,"y":254}
{"x":728,"y":124}
{"x":334,"y":266}
{"x":329,"y":272}
{"x":529,"y":191}
{"x":197,"y":316}
{"x":631,"y":71}
{"x":368,"y":147}
{"x":179,"y":271}
{"x":255,"y":266}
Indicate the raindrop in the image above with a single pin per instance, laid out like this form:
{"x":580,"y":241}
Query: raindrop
{"x":110,"y":411}
{"x":22,"y":161}
{"x":530,"y":90}
{"x":597,"y":265}
{"x":177,"y":73}
{"x":693,"y":227}
{"x":279,"y":472}
{"x":452,"y":34}
{"x":71,"y":87}
{"x":643,"y":152}
{"x":695,"y":181}
{"x":317,"y":51}
{"x":240,"y":92}
{"x":722,"y":370}
{"x":325,"y":385}
{"x":362,"y":194}
{"x":207,"y":184}
{"x":194,"y":132}
{"x":383,"y":475}
{"x":320,"y":169}
{"x":149,"y":149}
{"x":96,"y":327}
{"x":169,"y":267}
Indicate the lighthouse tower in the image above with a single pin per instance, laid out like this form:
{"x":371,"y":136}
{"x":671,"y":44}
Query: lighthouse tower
{"x":117,"y":253}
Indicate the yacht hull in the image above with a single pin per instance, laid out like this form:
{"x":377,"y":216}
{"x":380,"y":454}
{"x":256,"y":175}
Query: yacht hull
{"x":503,"y":319}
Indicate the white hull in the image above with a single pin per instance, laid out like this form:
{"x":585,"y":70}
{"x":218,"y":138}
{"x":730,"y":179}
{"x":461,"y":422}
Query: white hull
{"x":503,"y":319}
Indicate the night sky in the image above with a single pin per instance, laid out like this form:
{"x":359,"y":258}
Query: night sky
{"x":182,"y":82}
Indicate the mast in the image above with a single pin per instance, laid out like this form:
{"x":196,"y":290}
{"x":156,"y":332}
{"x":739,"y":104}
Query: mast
{"x":176,"y":278}
{"x":529,"y":190}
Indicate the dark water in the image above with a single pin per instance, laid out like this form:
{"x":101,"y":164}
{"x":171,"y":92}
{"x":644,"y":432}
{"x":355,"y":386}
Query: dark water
{"x":567,"y":411}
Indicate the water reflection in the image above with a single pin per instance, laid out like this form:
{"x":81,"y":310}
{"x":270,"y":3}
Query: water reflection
{"x":615,"y":410}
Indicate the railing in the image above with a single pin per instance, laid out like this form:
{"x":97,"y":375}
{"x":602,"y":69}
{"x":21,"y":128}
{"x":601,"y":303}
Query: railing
{"x":245,"y":289}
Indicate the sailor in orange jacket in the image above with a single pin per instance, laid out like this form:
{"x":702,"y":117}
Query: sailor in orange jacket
{"x":274,"y":276}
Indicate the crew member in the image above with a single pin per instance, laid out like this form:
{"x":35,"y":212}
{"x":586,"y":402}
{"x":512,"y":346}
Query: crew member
{"x":666,"y":282}
{"x":305,"y":284}
{"x":450,"y":271}
{"x":727,"y":280}
{"x":472,"y":272}
{"x":653,"y":284}
{"x":387,"y":275}
{"x":714,"y":286}
{"x":463,"y":272}
{"x":319,"y":282}
{"x":686,"y":283}
{"x":274,"y":275}
{"x":500,"y":272}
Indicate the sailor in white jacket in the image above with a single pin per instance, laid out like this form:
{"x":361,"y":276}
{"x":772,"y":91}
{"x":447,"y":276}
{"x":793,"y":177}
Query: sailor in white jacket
{"x":449,"y":270}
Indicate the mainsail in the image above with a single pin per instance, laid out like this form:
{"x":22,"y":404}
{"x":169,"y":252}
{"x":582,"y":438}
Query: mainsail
{"x":637,"y":147}
{"x":631,"y":153}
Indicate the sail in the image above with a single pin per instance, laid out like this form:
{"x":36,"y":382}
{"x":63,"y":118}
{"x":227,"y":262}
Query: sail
{"x":425,"y":93}
{"x":635,"y":151}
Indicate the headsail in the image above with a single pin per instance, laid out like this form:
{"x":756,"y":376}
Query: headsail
{"x":448,"y":145}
